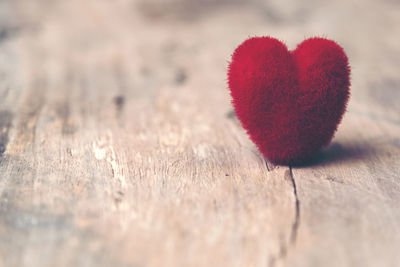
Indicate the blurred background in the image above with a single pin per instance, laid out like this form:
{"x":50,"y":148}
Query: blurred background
{"x":161,"y":43}
{"x":118,"y":148}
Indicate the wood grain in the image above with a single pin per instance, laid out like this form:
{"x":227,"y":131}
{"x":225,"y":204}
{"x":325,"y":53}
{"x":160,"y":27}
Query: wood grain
{"x":118,"y":146}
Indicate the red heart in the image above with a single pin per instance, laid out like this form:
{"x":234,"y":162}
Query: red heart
{"x":290,"y":102}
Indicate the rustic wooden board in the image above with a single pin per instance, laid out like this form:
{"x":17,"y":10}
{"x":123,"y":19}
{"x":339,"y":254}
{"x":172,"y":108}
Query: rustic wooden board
{"x":118,"y":146}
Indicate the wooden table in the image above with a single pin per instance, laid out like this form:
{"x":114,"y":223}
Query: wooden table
{"x":118,"y":146}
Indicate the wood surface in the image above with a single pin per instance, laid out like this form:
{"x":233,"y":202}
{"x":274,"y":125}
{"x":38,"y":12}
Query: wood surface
{"x":119,"y":147}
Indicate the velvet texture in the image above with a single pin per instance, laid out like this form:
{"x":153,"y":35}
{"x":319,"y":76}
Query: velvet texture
{"x":289,"y":102}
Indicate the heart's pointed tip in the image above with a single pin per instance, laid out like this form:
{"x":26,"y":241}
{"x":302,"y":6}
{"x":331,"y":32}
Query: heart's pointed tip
{"x":299,"y":161}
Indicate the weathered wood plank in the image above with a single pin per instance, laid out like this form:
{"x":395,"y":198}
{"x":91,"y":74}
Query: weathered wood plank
{"x":117,"y":147}
{"x":349,"y":198}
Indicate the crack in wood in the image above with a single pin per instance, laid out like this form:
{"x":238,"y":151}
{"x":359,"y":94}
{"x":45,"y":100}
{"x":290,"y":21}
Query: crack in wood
{"x":296,"y":223}
{"x":266,"y":165}
{"x":284,"y":247}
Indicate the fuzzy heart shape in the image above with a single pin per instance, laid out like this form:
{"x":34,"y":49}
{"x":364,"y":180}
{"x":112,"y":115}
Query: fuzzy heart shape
{"x":290,"y":102}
